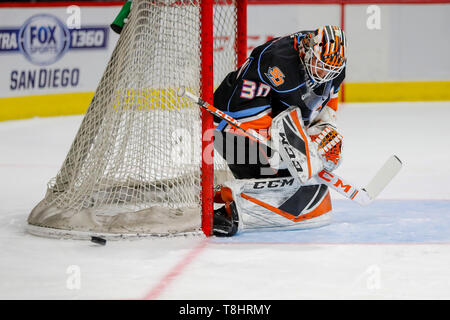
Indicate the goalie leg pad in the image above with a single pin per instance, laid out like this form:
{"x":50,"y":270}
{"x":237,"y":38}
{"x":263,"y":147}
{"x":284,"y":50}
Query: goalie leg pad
{"x":280,"y":203}
{"x":296,"y":150}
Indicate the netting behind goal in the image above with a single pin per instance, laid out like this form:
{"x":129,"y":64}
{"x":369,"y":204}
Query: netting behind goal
{"x":134,"y":167}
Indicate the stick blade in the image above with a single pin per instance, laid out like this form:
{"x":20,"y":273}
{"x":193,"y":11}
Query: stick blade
{"x":382,"y":178}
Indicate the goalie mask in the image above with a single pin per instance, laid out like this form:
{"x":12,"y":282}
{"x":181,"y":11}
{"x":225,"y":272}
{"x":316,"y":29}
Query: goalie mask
{"x":323,"y":53}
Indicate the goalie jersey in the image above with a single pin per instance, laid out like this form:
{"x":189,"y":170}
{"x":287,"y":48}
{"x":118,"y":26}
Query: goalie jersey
{"x":271,"y":80}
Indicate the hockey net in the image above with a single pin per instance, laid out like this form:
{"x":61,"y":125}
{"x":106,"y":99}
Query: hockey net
{"x":134,"y":167}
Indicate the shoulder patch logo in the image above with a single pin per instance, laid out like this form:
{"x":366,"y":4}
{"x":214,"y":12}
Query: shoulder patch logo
{"x":276,"y":76}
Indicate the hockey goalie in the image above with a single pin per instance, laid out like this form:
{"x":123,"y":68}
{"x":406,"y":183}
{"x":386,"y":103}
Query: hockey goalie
{"x":287,"y":90}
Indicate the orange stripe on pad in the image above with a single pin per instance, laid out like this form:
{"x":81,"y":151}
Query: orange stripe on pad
{"x":300,"y":129}
{"x":323,"y":207}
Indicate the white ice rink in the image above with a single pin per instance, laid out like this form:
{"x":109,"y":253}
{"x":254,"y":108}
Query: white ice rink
{"x":396,"y":248}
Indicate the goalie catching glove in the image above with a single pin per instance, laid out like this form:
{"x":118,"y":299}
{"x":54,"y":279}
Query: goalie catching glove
{"x":325,"y":135}
{"x":329,"y":145}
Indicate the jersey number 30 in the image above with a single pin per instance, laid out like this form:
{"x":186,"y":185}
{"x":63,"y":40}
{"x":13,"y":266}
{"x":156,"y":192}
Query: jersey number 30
{"x":249,"y":89}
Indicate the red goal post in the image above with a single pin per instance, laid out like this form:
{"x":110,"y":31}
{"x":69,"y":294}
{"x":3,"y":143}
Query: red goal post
{"x":207,"y":91}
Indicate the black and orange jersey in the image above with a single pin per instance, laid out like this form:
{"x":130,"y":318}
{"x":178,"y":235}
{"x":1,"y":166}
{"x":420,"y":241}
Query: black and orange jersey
{"x":272,"y":79}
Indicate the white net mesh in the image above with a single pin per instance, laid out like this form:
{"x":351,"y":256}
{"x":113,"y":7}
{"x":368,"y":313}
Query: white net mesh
{"x":134,"y":166}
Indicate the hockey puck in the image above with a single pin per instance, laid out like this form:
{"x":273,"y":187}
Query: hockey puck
{"x":98,"y":240}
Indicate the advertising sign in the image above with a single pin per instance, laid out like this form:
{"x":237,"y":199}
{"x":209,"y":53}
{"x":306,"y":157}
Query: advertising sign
{"x":54,"y":50}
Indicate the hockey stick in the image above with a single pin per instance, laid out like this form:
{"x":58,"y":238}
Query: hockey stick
{"x":363,"y":196}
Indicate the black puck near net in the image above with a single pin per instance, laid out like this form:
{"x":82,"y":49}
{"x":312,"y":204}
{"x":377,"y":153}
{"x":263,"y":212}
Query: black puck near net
{"x":98,"y":240}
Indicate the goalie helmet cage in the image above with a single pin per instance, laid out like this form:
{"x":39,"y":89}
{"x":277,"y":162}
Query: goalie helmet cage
{"x":135,"y":167}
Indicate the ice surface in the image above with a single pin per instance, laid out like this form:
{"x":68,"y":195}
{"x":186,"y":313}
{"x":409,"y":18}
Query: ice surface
{"x":396,"y":248}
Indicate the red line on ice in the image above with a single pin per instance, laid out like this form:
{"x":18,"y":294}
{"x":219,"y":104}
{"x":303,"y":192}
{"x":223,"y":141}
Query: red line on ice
{"x":156,"y":291}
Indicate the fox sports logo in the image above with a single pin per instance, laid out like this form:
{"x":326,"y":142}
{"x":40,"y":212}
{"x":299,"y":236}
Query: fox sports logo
{"x":43,"y":39}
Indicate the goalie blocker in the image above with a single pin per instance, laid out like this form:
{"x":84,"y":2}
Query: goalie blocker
{"x":294,"y":145}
